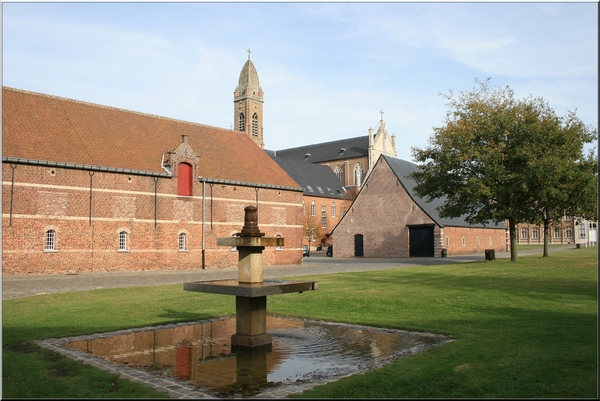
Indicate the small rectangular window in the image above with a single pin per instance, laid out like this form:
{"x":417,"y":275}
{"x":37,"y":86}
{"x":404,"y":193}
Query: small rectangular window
{"x":50,"y":240}
{"x":122,"y":241}
{"x":182,"y":242}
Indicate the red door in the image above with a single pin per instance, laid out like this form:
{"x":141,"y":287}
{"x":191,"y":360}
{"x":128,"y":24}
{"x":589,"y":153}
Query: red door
{"x":184,"y":179}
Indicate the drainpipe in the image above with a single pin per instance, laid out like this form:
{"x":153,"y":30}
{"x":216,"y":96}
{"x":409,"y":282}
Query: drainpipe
{"x":203,"y":222}
{"x":91,"y":173}
{"x":12,"y":191}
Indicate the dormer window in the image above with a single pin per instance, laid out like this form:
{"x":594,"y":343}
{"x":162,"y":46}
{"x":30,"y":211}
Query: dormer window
{"x":184,"y":179}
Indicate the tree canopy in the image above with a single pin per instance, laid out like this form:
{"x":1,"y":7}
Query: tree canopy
{"x":497,"y":158}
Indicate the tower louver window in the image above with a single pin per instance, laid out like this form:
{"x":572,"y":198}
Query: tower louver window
{"x":255,"y":125}
{"x":242,"y":123}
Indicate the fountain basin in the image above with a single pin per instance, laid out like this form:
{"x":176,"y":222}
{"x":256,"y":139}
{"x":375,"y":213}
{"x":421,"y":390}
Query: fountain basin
{"x":251,"y":290}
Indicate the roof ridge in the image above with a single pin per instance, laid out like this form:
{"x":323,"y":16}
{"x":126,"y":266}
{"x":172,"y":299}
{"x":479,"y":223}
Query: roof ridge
{"x":324,"y":143}
{"x":114,"y":108}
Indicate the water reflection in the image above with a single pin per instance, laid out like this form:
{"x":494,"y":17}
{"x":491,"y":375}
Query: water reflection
{"x":201,"y":353}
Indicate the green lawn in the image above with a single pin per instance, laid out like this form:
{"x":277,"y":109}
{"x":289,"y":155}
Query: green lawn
{"x":521,"y":330}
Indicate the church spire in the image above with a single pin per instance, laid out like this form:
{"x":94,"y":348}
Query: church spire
{"x":248,"y":103}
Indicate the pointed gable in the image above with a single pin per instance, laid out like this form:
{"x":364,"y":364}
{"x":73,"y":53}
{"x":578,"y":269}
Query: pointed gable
{"x":43,"y":127}
{"x":403,"y":169}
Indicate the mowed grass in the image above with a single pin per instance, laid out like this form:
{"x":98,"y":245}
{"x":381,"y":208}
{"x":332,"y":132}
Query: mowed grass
{"x":520,"y":330}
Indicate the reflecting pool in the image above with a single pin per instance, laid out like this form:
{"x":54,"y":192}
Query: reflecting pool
{"x":201,"y":354}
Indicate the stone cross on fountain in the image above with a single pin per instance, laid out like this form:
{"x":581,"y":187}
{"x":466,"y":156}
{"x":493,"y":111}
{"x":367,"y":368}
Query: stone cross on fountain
{"x":250,"y":289}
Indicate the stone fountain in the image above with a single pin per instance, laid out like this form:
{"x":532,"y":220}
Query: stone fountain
{"x":251,"y":289}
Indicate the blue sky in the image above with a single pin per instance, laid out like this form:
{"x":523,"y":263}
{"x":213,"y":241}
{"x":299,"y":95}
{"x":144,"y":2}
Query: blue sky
{"x":326,"y":69}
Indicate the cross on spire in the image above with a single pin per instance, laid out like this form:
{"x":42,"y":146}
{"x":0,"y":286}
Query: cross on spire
{"x":248,"y":53}
{"x":381,"y":112}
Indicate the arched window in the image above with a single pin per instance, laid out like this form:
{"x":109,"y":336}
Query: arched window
{"x":182,"y":242}
{"x":255,"y":125}
{"x":241,"y":123}
{"x":278,"y":247}
{"x":340,"y":173}
{"x":50,"y":240}
{"x":313,"y":209}
{"x":464,"y":241}
{"x":123,"y":241}
{"x":477,"y":241}
{"x":184,"y":179}
{"x":447,"y":242}
{"x":490,"y":240}
{"x":358,"y":174}
{"x":324,"y":216}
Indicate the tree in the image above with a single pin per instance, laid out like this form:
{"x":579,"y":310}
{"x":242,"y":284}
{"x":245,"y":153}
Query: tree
{"x":494,"y":160}
{"x":312,"y":229}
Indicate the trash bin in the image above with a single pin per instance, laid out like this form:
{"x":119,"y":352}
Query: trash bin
{"x":490,"y":254}
{"x":444,"y":252}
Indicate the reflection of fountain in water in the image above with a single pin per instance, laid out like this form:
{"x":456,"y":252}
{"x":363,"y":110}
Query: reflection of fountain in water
{"x":201,"y":353}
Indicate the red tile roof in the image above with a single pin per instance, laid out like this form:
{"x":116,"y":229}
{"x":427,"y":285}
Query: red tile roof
{"x":43,"y":127}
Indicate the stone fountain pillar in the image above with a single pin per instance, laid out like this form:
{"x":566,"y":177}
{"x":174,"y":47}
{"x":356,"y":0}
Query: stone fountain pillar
{"x":250,"y":289}
{"x":251,"y":313}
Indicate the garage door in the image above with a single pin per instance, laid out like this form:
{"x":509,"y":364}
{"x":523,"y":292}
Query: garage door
{"x":421,"y":241}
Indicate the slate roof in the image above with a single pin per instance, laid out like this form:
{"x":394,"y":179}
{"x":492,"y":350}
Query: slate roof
{"x":329,"y":151}
{"x":36,"y":126}
{"x":312,"y":177}
{"x":402,"y":169}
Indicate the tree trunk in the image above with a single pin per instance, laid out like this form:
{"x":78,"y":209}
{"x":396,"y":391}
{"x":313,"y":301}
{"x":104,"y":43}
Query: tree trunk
{"x":546,"y":231}
{"x":513,"y":239}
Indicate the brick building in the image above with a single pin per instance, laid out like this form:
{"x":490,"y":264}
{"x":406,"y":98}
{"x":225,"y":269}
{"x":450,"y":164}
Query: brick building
{"x":388,"y":220}
{"x":324,"y":200}
{"x":570,"y":230}
{"x":91,"y":188}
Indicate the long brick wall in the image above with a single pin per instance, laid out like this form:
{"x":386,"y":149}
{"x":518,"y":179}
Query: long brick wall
{"x":87,"y":210}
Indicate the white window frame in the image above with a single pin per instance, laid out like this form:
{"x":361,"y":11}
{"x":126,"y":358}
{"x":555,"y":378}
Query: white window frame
{"x":324,"y":216}
{"x":313,"y":209}
{"x":182,"y":242}
{"x":50,"y":241}
{"x":333,"y":210}
{"x":123,"y":241}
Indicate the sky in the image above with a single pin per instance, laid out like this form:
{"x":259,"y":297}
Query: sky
{"x":327,"y":70}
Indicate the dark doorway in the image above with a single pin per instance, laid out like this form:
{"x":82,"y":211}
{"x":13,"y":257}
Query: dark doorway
{"x":421,"y":241}
{"x":358,"y":245}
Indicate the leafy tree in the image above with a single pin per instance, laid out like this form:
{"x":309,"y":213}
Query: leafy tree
{"x":500,"y":159}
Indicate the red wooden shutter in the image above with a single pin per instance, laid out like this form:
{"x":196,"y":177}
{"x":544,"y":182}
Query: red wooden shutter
{"x":184,"y":179}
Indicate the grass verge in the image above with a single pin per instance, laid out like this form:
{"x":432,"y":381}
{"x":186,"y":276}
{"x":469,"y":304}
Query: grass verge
{"x":521,"y":330}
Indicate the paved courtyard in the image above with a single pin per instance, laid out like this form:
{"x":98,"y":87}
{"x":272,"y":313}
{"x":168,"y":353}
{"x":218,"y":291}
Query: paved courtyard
{"x":317,"y":263}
